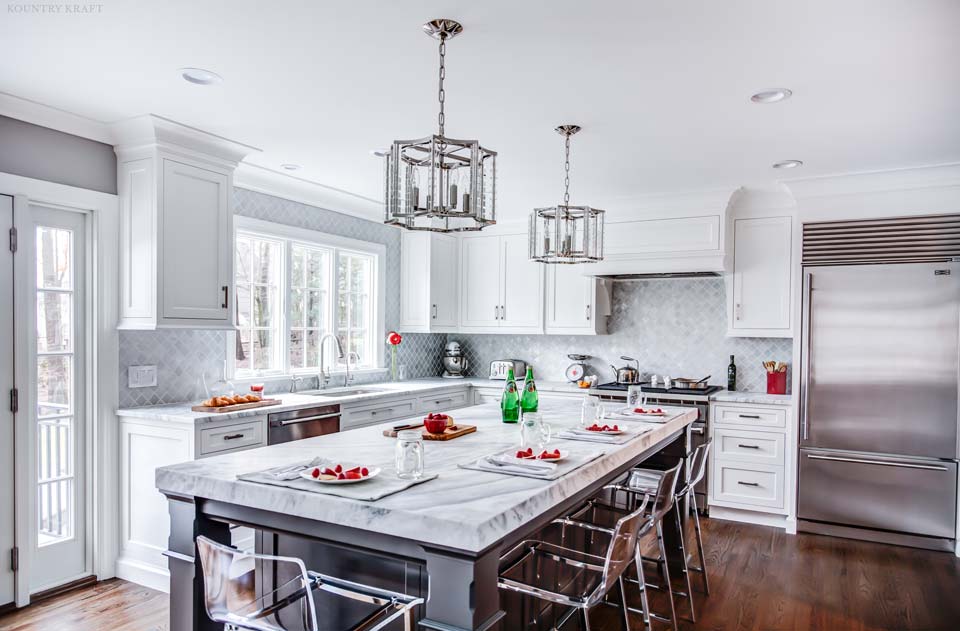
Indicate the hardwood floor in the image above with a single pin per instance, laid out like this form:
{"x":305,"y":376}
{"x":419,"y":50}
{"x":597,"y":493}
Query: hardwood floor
{"x":761,"y":580}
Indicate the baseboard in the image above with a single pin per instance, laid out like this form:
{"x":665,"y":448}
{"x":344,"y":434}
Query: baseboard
{"x":752,"y":517}
{"x":143,"y":574}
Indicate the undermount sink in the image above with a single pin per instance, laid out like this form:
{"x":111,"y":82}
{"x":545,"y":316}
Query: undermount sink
{"x":344,"y":392}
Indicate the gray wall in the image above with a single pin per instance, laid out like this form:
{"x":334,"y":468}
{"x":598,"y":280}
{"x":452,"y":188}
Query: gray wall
{"x":675,"y":327}
{"x":46,"y":154}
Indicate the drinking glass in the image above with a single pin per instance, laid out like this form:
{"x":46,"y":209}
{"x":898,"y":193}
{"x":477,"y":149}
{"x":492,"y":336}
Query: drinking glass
{"x":409,"y":454}
{"x":635,"y":397}
{"x":588,"y":411}
{"x":534,"y":433}
{"x":601,"y":414}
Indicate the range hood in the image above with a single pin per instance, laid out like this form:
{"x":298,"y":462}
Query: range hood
{"x":655,"y":276}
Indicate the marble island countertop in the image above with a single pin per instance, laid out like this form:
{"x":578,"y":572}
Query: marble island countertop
{"x":753,"y":398}
{"x":463,"y":509}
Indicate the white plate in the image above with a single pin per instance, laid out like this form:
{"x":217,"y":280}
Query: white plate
{"x":563,"y":454}
{"x":308,"y":475}
{"x":609,"y":432}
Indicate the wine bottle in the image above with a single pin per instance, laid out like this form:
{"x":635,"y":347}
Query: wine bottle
{"x":510,"y":401}
{"x":529,"y":400}
{"x":732,"y":376}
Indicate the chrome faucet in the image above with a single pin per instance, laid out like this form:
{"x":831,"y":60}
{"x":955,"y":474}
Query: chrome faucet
{"x":322,"y":378}
{"x":347,"y":377}
{"x":294,"y":381}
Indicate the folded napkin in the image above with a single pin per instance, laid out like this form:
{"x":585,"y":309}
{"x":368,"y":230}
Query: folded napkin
{"x":507,"y":464}
{"x":292,"y":471}
{"x":597,"y":437}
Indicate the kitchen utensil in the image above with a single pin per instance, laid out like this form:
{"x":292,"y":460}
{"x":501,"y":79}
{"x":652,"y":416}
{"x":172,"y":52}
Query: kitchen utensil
{"x":577,"y":369}
{"x":454,"y":363}
{"x":690,"y":384}
{"x":499,"y":368}
{"x":451,"y":432}
{"x":627,"y":374}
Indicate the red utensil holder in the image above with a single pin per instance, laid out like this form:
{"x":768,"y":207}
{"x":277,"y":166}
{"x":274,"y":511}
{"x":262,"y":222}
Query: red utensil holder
{"x":776,"y":383}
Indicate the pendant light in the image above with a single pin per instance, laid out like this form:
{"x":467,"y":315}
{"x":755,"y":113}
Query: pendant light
{"x":565,"y":233}
{"x":436,"y":183}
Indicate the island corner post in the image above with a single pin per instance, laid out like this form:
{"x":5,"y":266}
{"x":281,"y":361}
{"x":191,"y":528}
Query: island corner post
{"x":460,"y":586}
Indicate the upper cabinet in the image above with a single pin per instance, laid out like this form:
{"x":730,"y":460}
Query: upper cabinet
{"x":760,"y":285}
{"x":175,"y":186}
{"x":575,"y":304}
{"x":428,"y":283}
{"x":501,"y":291}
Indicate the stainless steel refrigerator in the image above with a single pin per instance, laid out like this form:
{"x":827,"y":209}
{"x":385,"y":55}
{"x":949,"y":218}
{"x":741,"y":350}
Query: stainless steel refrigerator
{"x":880,"y":368}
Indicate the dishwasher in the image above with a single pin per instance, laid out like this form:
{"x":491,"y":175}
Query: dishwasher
{"x":284,"y":427}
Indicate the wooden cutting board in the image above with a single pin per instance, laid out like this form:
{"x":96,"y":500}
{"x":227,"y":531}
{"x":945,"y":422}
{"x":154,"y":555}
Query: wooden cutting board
{"x":223,"y":409}
{"x":449,"y":434}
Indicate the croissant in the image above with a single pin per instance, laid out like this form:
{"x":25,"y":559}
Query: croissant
{"x":223,"y":401}
{"x":210,"y":403}
{"x":252,"y":398}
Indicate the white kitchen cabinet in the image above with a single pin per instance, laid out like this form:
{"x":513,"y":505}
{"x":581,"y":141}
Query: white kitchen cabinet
{"x":575,"y":304}
{"x":760,"y":286}
{"x":175,"y":186}
{"x":428,"y":283}
{"x":501,"y":291}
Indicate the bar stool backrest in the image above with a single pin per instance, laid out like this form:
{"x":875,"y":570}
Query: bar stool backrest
{"x":698,"y":466}
{"x":621,"y":551}
{"x":666,"y":489}
{"x":233,"y":596}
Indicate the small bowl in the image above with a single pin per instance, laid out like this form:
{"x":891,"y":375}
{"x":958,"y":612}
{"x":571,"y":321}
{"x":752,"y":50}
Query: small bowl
{"x":435,"y":425}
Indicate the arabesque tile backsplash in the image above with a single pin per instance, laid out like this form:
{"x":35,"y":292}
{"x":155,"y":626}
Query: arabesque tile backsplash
{"x":674,"y":326}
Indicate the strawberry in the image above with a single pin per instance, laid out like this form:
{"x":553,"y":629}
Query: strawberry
{"x":328,"y":471}
{"x":364,"y":472}
{"x":315,"y":473}
{"x":352,"y":475}
{"x":556,"y":452}
{"x":338,"y":468}
{"x":616,"y":428}
{"x":354,"y":470}
{"x":543,"y":454}
{"x":659,"y":410}
{"x":341,"y":476}
{"x":521,"y":453}
{"x":529,"y":451}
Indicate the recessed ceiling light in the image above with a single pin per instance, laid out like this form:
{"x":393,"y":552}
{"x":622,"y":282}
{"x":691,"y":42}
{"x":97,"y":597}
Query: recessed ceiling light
{"x":290,"y":167}
{"x":788,"y":164}
{"x":773,"y":95}
{"x":199,"y":76}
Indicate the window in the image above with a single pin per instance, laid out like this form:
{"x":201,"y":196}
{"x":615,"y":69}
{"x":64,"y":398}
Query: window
{"x":296,"y":286}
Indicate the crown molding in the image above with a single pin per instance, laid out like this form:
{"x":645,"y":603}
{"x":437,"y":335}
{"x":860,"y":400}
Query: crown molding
{"x":666,"y":205}
{"x":151,"y":130}
{"x":54,"y":118}
{"x":269,"y":182}
{"x":868,"y":182}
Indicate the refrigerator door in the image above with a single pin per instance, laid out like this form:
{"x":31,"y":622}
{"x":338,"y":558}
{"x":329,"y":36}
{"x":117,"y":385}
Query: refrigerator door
{"x":910,"y":496}
{"x":880,"y":362}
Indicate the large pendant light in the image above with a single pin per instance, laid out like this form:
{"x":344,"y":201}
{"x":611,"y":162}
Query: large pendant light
{"x":440,"y":184}
{"x":565,"y":233}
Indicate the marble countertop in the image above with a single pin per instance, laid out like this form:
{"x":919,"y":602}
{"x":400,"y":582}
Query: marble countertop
{"x":756,"y":398}
{"x":463,"y":509}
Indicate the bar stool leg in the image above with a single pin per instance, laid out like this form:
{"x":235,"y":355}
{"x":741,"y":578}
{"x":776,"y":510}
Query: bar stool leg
{"x":586,"y":619}
{"x":644,"y":603}
{"x":703,"y":562}
{"x":685,"y":569}
{"x":668,"y":586}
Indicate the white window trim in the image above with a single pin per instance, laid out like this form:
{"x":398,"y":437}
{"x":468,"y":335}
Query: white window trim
{"x":321,"y":239}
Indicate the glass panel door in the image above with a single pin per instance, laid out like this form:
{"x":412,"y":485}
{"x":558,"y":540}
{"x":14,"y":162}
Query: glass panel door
{"x":58,"y":396}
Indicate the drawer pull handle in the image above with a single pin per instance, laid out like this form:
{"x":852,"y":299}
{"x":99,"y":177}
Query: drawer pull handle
{"x":226,"y":292}
{"x":755,"y":416}
{"x":232,"y":436}
{"x":882,"y":463}
{"x":741,"y":482}
{"x":749,"y":446}
{"x":439,"y":401}
{"x":383,"y":411}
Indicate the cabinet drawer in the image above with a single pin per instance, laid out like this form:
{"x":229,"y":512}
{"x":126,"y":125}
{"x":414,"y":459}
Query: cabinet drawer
{"x":380,"y":413}
{"x":741,"y":483}
{"x":229,"y":437}
{"x":750,"y":416}
{"x":746,"y":446}
{"x":486,"y":395}
{"x":444,"y":401}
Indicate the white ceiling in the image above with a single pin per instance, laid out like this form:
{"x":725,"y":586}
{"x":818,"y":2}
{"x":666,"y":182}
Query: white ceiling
{"x":661,"y":88}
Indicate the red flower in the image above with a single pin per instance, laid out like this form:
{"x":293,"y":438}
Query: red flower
{"x":394,"y":338}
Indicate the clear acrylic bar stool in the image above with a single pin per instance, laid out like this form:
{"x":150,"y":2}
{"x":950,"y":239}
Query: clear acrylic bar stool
{"x":237,"y":592}
{"x":599,"y":512}
{"x":581,"y":580}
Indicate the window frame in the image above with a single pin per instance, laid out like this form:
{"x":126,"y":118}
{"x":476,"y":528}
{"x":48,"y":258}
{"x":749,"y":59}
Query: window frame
{"x":288,"y":236}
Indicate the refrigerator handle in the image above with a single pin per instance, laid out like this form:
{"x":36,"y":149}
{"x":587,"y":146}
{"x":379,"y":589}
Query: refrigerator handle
{"x":805,"y":333}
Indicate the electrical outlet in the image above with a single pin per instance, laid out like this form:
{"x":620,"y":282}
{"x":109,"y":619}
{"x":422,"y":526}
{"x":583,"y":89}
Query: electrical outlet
{"x":141,"y":376}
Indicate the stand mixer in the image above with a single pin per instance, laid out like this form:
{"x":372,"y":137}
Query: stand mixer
{"x":454,"y":363}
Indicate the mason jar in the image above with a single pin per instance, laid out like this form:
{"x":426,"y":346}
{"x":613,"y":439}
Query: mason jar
{"x":409,"y":454}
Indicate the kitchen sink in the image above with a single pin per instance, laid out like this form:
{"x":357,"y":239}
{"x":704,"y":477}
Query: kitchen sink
{"x":344,"y":392}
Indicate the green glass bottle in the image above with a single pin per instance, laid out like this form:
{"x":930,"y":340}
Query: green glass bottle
{"x":732,"y":376}
{"x":510,"y":401}
{"x":529,"y":400}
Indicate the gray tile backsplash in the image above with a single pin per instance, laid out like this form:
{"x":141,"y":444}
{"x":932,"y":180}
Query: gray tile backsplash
{"x":673,"y":326}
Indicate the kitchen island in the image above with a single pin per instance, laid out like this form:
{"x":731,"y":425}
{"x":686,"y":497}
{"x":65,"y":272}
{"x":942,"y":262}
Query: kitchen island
{"x":448,"y":532}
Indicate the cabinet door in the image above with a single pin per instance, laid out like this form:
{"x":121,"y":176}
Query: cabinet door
{"x":414,"y":281}
{"x":761,"y":274}
{"x":571,"y":307}
{"x":196,"y":252}
{"x":479,"y":283}
{"x":443,"y":283}
{"x":522,"y":291}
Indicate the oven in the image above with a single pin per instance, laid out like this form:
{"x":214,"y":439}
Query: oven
{"x":284,"y":427}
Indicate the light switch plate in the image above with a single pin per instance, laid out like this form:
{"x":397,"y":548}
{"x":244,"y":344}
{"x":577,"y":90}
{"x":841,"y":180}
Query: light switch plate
{"x":141,"y":376}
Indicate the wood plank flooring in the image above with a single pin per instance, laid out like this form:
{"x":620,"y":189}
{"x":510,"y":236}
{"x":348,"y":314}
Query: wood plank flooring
{"x":761,"y":580}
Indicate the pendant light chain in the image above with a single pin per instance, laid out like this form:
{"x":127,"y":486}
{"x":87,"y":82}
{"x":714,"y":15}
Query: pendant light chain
{"x":566,"y":166}
{"x":442,"y":95}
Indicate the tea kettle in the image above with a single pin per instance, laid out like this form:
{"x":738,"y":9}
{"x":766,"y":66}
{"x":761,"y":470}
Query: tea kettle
{"x":627,"y":374}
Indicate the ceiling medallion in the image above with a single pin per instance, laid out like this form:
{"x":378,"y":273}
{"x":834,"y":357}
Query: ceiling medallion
{"x":440,"y":184}
{"x":565,"y":233}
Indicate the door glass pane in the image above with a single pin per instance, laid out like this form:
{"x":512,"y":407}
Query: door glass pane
{"x":56,"y":385}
